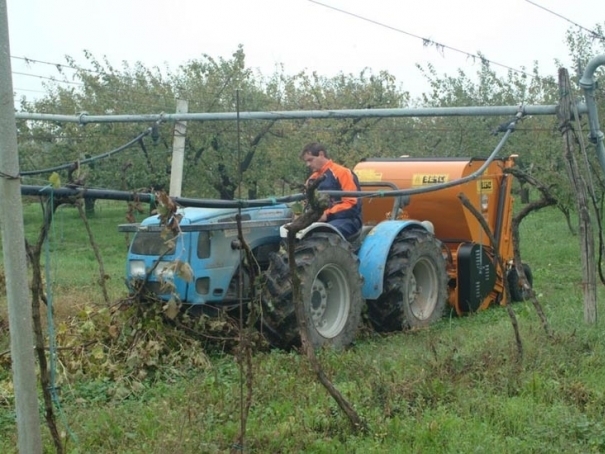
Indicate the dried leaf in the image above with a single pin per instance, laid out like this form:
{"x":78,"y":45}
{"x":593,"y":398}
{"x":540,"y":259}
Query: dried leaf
{"x":55,"y":180}
{"x":114,"y":332}
{"x":184,"y":271}
{"x":171,"y":309}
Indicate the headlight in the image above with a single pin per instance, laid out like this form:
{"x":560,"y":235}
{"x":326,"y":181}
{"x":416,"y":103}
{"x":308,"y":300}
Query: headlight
{"x":137,"y":269}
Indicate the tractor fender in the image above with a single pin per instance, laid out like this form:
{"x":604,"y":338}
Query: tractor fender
{"x":315,"y":227}
{"x":374,"y":251}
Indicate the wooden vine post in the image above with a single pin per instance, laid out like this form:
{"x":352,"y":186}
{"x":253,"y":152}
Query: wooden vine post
{"x":587,"y":247}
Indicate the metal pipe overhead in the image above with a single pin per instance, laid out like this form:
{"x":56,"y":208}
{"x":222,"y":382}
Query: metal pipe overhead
{"x":85,"y":118}
{"x":587,"y":82}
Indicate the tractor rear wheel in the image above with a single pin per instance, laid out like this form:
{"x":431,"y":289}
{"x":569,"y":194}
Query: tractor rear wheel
{"x":415,"y":284}
{"x":330,"y":290}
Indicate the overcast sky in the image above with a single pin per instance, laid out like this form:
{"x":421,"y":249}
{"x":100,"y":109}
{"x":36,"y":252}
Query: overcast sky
{"x":298,"y":34}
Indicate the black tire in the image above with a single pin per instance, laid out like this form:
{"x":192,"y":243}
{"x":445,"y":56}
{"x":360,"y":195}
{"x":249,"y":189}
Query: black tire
{"x":415,"y":284}
{"x":331,"y":293}
{"x":518,"y":293}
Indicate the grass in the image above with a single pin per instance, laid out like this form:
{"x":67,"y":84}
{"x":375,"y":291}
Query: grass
{"x":453,"y":388}
{"x":72,"y":259}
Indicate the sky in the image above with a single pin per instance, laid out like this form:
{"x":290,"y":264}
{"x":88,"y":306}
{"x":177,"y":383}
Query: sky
{"x":296,"y":34}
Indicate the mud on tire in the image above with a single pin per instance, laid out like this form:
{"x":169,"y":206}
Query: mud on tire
{"x":415,"y":284}
{"x":331,"y":294}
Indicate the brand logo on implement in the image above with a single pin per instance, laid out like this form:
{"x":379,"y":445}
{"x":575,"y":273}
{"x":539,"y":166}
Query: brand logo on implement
{"x":421,"y":179}
{"x":485,"y":186}
{"x":368,"y":175}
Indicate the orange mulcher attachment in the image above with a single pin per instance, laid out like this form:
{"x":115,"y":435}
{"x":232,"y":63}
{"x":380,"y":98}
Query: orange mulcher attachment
{"x":476,"y":280}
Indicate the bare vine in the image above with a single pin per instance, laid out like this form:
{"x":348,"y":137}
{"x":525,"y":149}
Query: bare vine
{"x":547,"y":199}
{"x":34,"y":252}
{"x":102,"y":275}
{"x":246,"y":333}
{"x":317,"y":206}
{"x":513,"y":318}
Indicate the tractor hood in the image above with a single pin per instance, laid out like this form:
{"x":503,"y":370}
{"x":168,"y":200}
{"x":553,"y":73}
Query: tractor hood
{"x":200,"y":216}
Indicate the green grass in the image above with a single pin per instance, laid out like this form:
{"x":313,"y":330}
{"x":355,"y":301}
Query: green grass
{"x":454,"y":388}
{"x":74,"y":269}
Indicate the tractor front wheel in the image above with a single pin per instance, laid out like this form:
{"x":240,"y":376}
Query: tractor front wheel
{"x":330,"y":290}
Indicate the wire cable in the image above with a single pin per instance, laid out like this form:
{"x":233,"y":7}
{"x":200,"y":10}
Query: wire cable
{"x":59,"y":66}
{"x":47,"y":78}
{"x":430,"y":42}
{"x":592,"y":32}
{"x":91,"y":159}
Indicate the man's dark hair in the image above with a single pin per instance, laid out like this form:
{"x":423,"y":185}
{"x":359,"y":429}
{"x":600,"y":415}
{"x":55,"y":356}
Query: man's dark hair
{"x":314,"y":148}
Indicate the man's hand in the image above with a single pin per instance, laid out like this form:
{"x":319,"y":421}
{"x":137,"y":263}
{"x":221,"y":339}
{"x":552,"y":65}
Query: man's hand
{"x":323,"y":218}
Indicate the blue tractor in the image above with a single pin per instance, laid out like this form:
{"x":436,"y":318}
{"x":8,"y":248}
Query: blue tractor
{"x":336,"y":276}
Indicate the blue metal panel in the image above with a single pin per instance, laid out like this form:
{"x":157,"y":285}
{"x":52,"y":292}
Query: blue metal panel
{"x":374,"y":252}
{"x":219,"y":267}
{"x":222,"y":264}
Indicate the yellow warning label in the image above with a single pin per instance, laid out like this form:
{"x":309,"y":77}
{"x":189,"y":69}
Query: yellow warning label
{"x":485,"y":186}
{"x":368,"y":175}
{"x":421,"y":179}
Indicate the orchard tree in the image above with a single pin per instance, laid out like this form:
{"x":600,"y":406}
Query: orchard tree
{"x":536,"y":140}
{"x":350,"y":140}
{"x":219,"y":159}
